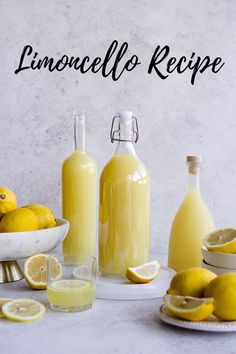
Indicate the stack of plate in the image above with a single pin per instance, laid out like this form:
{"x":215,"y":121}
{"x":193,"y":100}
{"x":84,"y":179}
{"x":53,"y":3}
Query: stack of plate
{"x":218,"y":263}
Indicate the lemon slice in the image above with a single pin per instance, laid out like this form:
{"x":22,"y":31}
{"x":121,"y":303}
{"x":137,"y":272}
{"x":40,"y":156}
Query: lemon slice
{"x":143,"y":273}
{"x":223,"y":240}
{"x":189,"y":308}
{"x":35,"y":270}
{"x":2,"y":302}
{"x":23,"y":310}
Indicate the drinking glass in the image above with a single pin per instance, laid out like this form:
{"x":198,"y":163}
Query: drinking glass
{"x":71,"y":282}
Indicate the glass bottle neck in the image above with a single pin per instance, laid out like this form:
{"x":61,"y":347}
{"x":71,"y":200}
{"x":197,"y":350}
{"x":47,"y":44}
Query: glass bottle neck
{"x":80,"y":130}
{"x":125,"y":145}
{"x":193,"y":181}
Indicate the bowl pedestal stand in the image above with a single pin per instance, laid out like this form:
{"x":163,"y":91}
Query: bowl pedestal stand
{"x":10,"y":271}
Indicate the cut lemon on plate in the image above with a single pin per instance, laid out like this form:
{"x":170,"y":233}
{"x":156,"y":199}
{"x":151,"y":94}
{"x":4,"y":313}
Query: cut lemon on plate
{"x":143,"y":273}
{"x":35,"y":270}
{"x":23,"y":310}
{"x":189,"y":308}
{"x":2,"y":302}
{"x":223,"y":240}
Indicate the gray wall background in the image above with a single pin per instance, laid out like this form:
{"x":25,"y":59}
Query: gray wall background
{"x":175,"y":118}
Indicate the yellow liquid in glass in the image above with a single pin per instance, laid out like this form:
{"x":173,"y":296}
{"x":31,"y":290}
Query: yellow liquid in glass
{"x":71,"y":293}
{"x":79,"y":188}
{"x":124,"y":215}
{"x":191,"y":224}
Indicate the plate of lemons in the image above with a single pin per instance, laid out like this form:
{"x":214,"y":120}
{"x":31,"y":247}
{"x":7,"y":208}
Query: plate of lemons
{"x":200,"y":300}
{"x":27,"y":230}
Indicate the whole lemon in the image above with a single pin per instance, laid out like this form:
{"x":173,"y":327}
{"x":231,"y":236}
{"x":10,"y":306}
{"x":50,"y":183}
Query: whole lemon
{"x":21,"y":219}
{"x":223,"y":290}
{"x":44,"y":215}
{"x":8,"y":201}
{"x":190,"y":282}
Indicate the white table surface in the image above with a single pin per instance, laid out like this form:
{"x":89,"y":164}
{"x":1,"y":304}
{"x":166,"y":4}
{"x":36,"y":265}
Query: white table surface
{"x":109,"y":327}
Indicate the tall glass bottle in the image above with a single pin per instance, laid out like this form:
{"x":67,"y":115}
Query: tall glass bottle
{"x":79,"y":191}
{"x":124,"y":211}
{"x":191,"y":224}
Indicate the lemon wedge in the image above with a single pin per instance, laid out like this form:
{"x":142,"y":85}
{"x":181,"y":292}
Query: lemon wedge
{"x":2,"y":302}
{"x":223,"y":240}
{"x":35,"y":270}
{"x":23,"y":310}
{"x":143,"y":273}
{"x":189,"y":308}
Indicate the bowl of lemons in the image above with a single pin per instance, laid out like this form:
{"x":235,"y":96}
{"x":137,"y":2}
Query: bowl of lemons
{"x":27,"y":230}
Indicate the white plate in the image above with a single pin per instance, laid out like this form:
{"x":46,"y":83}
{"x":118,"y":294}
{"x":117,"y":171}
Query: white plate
{"x":218,"y":259}
{"x":15,"y":245}
{"x":217,"y":270}
{"x":212,"y":324}
{"x":120,"y":288}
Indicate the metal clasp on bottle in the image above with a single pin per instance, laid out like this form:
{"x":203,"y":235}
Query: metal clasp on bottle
{"x":115,"y":133}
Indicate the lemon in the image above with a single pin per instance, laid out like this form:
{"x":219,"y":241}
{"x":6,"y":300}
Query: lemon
{"x":189,"y":308}
{"x":143,"y":273}
{"x":8,"y":201}
{"x":35,"y":270}
{"x":190,"y":282}
{"x":223,"y":290}
{"x":45,"y":216}
{"x":23,"y":310}
{"x":20,"y":219}
{"x":223,"y":240}
{"x":2,"y":302}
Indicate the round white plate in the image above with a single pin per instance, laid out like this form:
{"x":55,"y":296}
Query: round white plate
{"x":16,"y":245}
{"x":120,"y":288}
{"x":212,"y":324}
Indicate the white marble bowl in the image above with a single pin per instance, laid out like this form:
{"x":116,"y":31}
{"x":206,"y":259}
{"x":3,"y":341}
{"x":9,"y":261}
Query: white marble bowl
{"x":16,"y":245}
{"x":217,"y":259}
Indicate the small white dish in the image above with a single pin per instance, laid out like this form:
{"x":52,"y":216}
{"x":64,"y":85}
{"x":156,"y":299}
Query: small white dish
{"x":217,"y":270}
{"x":16,"y":245}
{"x":120,"y":288}
{"x":212,"y":324}
{"x":218,"y":259}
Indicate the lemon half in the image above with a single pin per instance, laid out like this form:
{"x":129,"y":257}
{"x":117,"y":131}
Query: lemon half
{"x":223,"y":240}
{"x":143,"y":273}
{"x":23,"y":310}
{"x":35,"y":270}
{"x":189,"y":308}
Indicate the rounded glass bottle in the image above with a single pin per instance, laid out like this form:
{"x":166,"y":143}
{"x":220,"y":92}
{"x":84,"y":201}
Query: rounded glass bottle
{"x":124,"y":208}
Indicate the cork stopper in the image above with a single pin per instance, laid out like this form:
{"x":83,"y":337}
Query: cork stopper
{"x":194,"y":163}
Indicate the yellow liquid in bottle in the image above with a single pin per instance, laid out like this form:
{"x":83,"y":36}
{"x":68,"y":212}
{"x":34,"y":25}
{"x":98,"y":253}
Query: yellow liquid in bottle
{"x":79,"y":180}
{"x":191,"y":224}
{"x":124,"y":215}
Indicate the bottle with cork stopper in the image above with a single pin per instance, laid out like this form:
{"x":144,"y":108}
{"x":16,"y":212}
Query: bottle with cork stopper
{"x":192,"y":222}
